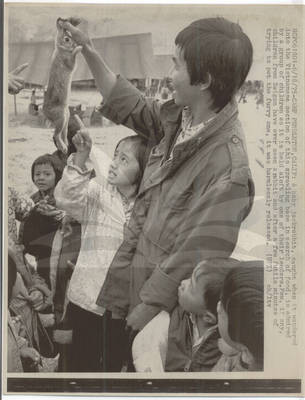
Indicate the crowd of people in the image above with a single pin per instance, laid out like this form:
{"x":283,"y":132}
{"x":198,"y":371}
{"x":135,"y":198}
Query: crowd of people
{"x":133,"y":268}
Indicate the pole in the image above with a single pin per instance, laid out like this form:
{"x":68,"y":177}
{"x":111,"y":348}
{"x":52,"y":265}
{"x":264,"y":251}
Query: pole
{"x":15,"y":104}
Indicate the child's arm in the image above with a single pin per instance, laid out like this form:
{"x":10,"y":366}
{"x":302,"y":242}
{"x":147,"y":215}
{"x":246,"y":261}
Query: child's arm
{"x":83,"y":143}
{"x":72,"y":191}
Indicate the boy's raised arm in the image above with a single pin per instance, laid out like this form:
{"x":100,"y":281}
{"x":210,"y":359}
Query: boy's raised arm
{"x":105,"y":78}
{"x":123,"y":103}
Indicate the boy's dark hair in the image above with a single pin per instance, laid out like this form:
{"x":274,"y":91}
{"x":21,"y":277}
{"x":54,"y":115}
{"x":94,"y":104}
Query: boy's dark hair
{"x":243,"y":300}
{"x":214,"y":271}
{"x":220,"y":48}
{"x":11,"y":276}
{"x":51,"y":160}
{"x":139,"y":145}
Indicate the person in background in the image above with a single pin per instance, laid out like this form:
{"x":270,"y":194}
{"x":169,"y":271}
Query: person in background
{"x":33,"y":107}
{"x":33,"y":97}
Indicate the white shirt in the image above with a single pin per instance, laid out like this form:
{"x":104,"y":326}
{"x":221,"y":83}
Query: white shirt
{"x":98,"y":206}
{"x":188,"y":131}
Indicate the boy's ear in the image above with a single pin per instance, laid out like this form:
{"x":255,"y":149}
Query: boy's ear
{"x":207,"y":84}
{"x":210,"y":318}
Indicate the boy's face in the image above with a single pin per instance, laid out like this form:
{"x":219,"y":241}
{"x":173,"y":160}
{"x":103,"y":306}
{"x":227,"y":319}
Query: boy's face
{"x":124,"y":169}
{"x":184,"y":93}
{"x":191,"y":295}
{"x":44,"y":177}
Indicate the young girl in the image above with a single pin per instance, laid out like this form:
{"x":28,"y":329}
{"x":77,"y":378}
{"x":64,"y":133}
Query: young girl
{"x":103,"y":206}
{"x":241,"y":320}
{"x":40,"y":227}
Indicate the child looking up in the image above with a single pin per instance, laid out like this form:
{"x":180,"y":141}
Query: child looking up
{"x":193,"y":332}
{"x":241,"y":320}
{"x":102,"y":205}
{"x":190,"y":333}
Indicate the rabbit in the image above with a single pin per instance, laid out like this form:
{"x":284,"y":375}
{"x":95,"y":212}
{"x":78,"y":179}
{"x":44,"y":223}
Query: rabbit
{"x":63,"y":63}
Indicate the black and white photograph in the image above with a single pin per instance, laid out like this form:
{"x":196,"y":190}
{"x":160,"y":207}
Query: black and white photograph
{"x":152,"y":201}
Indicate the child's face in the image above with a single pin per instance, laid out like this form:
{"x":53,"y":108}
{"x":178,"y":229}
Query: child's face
{"x":124,"y":169}
{"x":191,"y":295}
{"x":184,"y":93}
{"x":44,"y":177}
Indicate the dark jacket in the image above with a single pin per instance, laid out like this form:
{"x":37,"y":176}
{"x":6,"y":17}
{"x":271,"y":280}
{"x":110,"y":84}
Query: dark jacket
{"x":37,"y":234}
{"x":189,"y":208}
{"x":180,"y":354}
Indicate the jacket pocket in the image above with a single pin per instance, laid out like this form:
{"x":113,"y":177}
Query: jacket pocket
{"x":166,"y":218}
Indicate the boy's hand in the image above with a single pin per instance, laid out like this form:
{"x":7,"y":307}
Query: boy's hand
{"x":78,"y":27}
{"x":82,"y":141}
{"x":30,"y":354}
{"x":141,"y":315}
{"x":44,"y":208}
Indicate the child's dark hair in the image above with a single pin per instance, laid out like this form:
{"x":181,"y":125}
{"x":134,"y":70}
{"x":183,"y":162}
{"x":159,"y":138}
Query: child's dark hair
{"x":11,"y":276}
{"x":214,"y":271}
{"x":51,"y":160}
{"x":243,"y":300}
{"x":139,"y":145}
{"x":220,"y":48}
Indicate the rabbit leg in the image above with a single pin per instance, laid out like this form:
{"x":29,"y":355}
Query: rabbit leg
{"x":61,"y":131}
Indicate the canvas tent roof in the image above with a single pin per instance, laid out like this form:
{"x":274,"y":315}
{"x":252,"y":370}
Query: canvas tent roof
{"x":129,"y":55}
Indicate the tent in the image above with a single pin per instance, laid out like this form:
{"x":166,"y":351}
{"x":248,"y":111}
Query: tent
{"x":128,"y":55}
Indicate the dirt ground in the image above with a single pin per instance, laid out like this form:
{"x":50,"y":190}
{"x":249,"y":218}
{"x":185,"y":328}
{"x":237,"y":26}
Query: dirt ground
{"x":26,"y":140}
